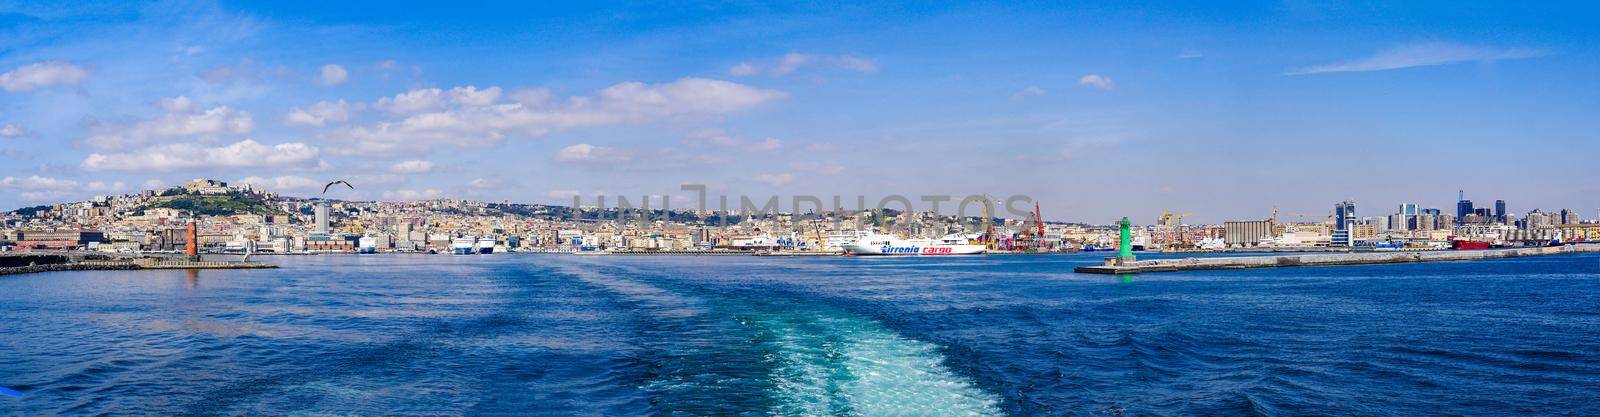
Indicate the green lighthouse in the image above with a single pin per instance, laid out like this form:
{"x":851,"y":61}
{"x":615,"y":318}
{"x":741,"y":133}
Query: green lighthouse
{"x":1125,"y":241}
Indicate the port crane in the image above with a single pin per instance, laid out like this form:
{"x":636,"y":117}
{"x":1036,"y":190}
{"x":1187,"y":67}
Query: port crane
{"x":1174,"y":223}
{"x":988,"y":225}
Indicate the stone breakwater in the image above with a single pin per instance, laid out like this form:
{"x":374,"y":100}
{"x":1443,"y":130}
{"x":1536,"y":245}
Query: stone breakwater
{"x":76,"y":266}
{"x":14,"y":264}
{"x":1324,"y":259}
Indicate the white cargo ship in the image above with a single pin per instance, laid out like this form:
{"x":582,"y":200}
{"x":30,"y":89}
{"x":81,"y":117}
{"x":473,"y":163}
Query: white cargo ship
{"x":878,"y":244}
{"x":464,"y":245}
{"x":367,"y":244}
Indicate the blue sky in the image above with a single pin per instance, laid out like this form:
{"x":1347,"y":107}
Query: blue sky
{"x":1098,"y":111}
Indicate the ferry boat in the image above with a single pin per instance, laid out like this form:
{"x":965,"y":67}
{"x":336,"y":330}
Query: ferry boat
{"x":879,"y":244}
{"x":367,"y":244}
{"x":836,"y":240}
{"x":463,"y":245}
{"x":485,"y":245}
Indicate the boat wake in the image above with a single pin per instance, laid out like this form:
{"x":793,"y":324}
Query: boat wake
{"x":783,"y":358}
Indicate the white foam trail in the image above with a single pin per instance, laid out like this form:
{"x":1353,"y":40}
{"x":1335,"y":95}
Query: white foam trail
{"x":842,"y":365}
{"x":834,"y":363}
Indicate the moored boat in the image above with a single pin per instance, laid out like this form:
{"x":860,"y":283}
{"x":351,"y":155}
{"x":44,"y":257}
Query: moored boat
{"x":463,"y":245}
{"x":878,"y":244}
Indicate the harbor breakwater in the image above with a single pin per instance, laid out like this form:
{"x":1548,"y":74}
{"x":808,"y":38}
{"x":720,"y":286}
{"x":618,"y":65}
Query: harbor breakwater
{"x":1113,"y":266}
{"x":27,"y":263}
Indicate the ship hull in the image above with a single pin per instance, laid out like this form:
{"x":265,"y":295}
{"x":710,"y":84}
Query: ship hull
{"x":1468,"y":245}
{"x":914,"y":250}
{"x":464,"y":246}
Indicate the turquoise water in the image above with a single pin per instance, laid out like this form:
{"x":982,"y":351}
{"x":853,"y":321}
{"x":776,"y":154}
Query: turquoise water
{"x":615,"y":335}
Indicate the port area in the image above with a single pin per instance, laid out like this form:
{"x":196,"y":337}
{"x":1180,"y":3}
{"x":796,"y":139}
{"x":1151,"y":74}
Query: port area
{"x":1116,"y":266}
{"x":27,"y":263}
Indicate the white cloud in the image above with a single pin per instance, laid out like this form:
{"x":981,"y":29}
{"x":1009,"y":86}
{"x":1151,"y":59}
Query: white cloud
{"x":334,"y":74}
{"x":1082,"y":146}
{"x":856,"y":63}
{"x":42,"y":74}
{"x":790,"y":62}
{"x":1097,"y":82}
{"x":37,"y":183}
{"x":37,"y":188}
{"x":282,"y":183}
{"x":1421,"y":55}
{"x":720,"y":137}
{"x":411,"y":102}
{"x":775,"y":180}
{"x":794,"y":61}
{"x":822,"y":147}
{"x":468,"y":116}
{"x":321,"y":113}
{"x":427,"y":194}
{"x":744,"y":69}
{"x":433,"y":99}
{"x":243,"y":154}
{"x":530,"y":96}
{"x":472,"y":96}
{"x":103,"y":187}
{"x":766,"y":145}
{"x":638,"y":101}
{"x":9,"y":130}
{"x":412,"y":167}
{"x":1029,"y":91}
{"x":154,"y":184}
{"x":245,"y":70}
{"x":484,"y":183}
{"x":825,"y":168}
{"x":177,"y":104}
{"x":587,"y":153}
{"x":182,"y":119}
{"x":715,"y":136}
{"x":378,"y":180}
{"x":562,"y":193}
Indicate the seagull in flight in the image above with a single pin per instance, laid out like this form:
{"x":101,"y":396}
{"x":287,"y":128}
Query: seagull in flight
{"x":331,"y":184}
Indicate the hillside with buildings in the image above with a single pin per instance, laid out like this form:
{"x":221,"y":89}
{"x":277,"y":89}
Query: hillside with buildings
{"x":245,"y":219}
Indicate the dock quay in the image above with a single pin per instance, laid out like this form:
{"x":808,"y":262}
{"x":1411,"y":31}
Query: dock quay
{"x":718,"y":252}
{"x":1116,"y":266}
{"x":713,"y":252}
{"x":799,"y":253}
{"x":27,"y":263}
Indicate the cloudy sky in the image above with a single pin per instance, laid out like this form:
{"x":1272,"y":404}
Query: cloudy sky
{"x":1097,"y":111}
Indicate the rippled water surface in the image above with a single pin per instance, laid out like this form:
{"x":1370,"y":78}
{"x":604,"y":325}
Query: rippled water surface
{"x":615,"y":335}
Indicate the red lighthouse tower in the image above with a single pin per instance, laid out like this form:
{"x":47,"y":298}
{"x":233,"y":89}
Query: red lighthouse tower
{"x":192,"y":243}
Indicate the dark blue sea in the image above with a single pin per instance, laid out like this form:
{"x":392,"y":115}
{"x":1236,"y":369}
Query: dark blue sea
{"x":564,"y":335}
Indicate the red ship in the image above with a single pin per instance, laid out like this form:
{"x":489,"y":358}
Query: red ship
{"x":1459,"y":244}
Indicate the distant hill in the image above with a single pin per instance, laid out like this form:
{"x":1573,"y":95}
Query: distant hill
{"x":216,"y":205}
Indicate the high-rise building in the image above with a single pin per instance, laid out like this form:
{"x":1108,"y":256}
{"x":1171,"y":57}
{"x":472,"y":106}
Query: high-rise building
{"x":1463,"y":207}
{"x":1567,"y":217}
{"x":1499,"y":211}
{"x":321,"y":212}
{"x":1344,"y":215}
{"x":1409,"y":209}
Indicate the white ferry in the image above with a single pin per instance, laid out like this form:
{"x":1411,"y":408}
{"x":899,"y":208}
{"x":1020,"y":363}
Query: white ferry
{"x":837,"y":240}
{"x":486,"y":245}
{"x":878,"y":244}
{"x":463,"y":245}
{"x":367,"y":244}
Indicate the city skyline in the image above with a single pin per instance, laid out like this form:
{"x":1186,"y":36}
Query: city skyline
{"x":1097,"y":113}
